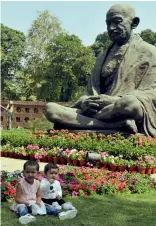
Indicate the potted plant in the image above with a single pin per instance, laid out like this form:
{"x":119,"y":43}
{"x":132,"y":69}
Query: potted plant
{"x":16,"y":152}
{"x":154,"y":167}
{"x":32,"y":150}
{"x":141,"y":166}
{"x":55,"y":152}
{"x":63,"y":157}
{"x":81,"y":157}
{"x":22,"y":154}
{"x":38,"y":156}
{"x":111,"y":162}
{"x":74,"y":157}
{"x":44,"y":156}
{"x":149,"y":166}
{"x":50,"y":155}
{"x":11,"y":152}
{"x":104,"y":162}
{"x":6,"y":150}
{"x":121,"y":163}
{"x":67,"y":155}
{"x":131,"y":166}
{"x":149,"y":160}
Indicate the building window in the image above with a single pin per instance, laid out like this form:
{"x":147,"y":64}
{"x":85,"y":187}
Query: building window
{"x":27,"y":110}
{"x":26,"y":119}
{"x":1,"y":118}
{"x":18,"y":109}
{"x":35,"y":110}
{"x":17,"y":119}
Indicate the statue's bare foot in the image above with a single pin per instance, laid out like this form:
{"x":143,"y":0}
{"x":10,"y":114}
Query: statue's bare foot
{"x":128,"y":125}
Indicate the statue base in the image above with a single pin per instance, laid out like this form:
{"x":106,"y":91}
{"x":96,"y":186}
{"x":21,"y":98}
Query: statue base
{"x":106,"y":132}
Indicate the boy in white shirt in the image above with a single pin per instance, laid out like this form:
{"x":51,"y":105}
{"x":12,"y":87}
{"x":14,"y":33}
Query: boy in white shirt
{"x":51,"y":193}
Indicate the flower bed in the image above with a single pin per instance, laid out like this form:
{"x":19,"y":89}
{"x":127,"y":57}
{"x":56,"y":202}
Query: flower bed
{"x":86,"y":181}
{"x":144,"y":164}
{"x":138,"y":153}
{"x":115,"y":144}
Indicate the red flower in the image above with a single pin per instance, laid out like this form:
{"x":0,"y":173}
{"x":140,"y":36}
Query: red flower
{"x":83,"y":186}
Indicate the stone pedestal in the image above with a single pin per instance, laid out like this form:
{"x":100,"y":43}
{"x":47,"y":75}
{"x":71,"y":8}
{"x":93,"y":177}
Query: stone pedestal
{"x":106,"y":132}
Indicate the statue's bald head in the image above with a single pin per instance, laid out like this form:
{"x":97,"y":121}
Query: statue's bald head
{"x":123,"y":9}
{"x":120,"y":21}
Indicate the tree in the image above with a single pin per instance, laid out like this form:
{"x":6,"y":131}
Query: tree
{"x":102,"y":41}
{"x":70,"y":64}
{"x":41,"y":33}
{"x":149,"y":36}
{"x":12,"y":50}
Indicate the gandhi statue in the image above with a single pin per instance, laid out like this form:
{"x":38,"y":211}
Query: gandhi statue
{"x":121,"y":92}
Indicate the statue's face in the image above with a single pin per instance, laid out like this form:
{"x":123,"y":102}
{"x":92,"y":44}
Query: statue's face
{"x":118,"y":27}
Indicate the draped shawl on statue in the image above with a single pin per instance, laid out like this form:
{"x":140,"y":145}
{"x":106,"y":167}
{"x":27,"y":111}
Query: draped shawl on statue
{"x":136,"y":76}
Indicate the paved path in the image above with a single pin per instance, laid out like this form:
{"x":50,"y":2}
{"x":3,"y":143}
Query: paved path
{"x":11,"y":165}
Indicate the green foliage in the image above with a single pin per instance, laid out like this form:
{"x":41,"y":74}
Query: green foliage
{"x":57,"y":65}
{"x":17,"y":138}
{"x":106,"y":189}
{"x":102,"y":41}
{"x":69,"y":67}
{"x":38,"y":124}
{"x":115,"y":145}
{"x":12,"y":50}
{"x":149,"y":36}
{"x":40,"y":34}
{"x":141,"y":185}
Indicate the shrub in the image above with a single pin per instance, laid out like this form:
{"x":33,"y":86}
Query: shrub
{"x":39,"y":124}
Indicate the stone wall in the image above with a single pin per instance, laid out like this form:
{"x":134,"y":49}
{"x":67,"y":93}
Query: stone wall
{"x":23,"y":112}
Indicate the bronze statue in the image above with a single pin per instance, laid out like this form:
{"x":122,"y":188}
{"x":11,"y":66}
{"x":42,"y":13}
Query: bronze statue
{"x":9,"y":110}
{"x":121,"y":92}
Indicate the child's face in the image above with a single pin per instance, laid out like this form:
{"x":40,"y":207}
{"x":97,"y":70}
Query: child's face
{"x":52,"y":174}
{"x":30,"y":173}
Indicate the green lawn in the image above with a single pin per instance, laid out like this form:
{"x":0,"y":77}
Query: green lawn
{"x":130,"y":210}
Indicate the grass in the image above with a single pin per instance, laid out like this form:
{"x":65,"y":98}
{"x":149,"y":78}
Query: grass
{"x":118,"y":210}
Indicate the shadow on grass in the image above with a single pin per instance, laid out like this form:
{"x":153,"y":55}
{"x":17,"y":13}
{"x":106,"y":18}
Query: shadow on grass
{"x":99,"y":211}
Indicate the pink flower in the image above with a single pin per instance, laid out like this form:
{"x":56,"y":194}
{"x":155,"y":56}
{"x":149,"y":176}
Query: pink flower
{"x":74,"y":194}
{"x":73,"y":181}
{"x":29,"y":146}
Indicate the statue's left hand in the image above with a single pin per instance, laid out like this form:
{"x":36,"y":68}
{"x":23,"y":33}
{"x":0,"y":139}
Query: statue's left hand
{"x":89,"y":107}
{"x":104,"y":100}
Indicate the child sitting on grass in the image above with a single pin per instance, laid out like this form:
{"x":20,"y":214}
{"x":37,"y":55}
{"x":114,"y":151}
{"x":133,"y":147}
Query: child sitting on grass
{"x":28,"y":197}
{"x":51,"y":194}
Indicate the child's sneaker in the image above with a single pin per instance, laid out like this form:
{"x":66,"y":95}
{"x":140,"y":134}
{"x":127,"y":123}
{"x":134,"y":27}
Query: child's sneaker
{"x":56,"y":206}
{"x":27,"y":219}
{"x":68,"y":206}
{"x":70,"y":214}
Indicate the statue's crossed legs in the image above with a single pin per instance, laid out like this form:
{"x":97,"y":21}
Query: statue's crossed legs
{"x":124,"y":113}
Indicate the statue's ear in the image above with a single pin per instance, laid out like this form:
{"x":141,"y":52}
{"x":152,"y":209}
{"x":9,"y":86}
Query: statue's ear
{"x":135,"y":22}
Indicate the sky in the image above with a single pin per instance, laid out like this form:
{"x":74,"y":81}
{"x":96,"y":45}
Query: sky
{"x":86,"y":19}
